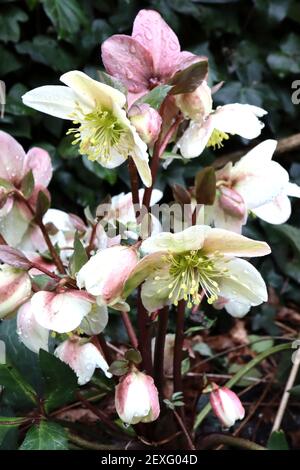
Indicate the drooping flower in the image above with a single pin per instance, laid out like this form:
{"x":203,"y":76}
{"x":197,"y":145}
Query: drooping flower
{"x":82,"y":357}
{"x":226,"y":405}
{"x":199,"y":259}
{"x":136,"y":398}
{"x":15,"y":289}
{"x":31,"y":333}
{"x":256,"y":184}
{"x":104,"y":132}
{"x":63,"y":311}
{"x":147,"y":58}
{"x":213,"y":129}
{"x":15,"y":164}
{"x":105,"y":273}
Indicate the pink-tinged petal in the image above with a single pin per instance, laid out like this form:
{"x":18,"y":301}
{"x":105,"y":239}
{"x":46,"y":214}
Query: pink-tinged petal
{"x":126,"y":59}
{"x":195,"y":138}
{"x":226,"y":406}
{"x":15,"y":289}
{"x":32,"y":335}
{"x":277,"y":211}
{"x":61,"y":312}
{"x":39,"y":161}
{"x":12,"y":158}
{"x":154,"y":400}
{"x":143,"y":269}
{"x":150,"y":30}
{"x":233,"y":244}
{"x":82,"y":358}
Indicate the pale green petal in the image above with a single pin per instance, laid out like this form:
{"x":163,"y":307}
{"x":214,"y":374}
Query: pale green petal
{"x":143,"y":269}
{"x":155,"y":293}
{"x":233,"y":244}
{"x":91,"y":90}
{"x":244,"y":284}
{"x":56,"y":100}
{"x":190,"y":239}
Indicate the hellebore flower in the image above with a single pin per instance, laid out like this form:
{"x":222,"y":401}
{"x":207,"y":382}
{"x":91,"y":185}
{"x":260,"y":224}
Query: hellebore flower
{"x":15,"y":289}
{"x":31,"y":333}
{"x":136,"y":398}
{"x":226,"y":405}
{"x":198,"y":259}
{"x":147,"y":58}
{"x":105,"y":273}
{"x":256,"y":184}
{"x":240,"y":119}
{"x":82,"y":357}
{"x":61,"y":312}
{"x":104,"y":132}
{"x":15,"y":164}
{"x":147,"y":122}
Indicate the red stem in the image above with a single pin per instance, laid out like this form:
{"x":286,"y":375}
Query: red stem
{"x":144,"y":340}
{"x":163,"y":316}
{"x":134,"y":186}
{"x":129,"y":329}
{"x":178,"y":346}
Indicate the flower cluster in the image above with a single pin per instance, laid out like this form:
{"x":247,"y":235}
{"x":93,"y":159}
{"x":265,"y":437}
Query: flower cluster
{"x":62,"y":275}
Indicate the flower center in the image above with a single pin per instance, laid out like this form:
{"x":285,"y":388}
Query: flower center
{"x":99,"y":132}
{"x":217,"y":138}
{"x":193,"y":271}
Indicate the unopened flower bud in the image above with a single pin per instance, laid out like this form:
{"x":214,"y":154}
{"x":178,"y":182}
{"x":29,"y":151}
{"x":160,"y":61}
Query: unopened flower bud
{"x":136,"y":398}
{"x":147,"y":122}
{"x":226,"y":405}
{"x":232,"y":202}
{"x":105,"y":273}
{"x":15,"y":289}
{"x":196,"y":105}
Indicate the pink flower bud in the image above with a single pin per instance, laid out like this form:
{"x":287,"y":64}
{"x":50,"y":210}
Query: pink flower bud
{"x":226,"y":405}
{"x":136,"y":398}
{"x":106,"y":272}
{"x":15,"y":289}
{"x":232,"y":202}
{"x":196,"y":105}
{"x":147,"y":122}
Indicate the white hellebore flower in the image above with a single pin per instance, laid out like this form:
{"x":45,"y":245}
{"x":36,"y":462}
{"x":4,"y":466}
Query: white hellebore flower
{"x":226,"y":405}
{"x":198,"y":260}
{"x":105,"y":273}
{"x":63,"y":311}
{"x":208,"y":127}
{"x":255,"y":183}
{"x":82,"y":357}
{"x":31,"y":333}
{"x":104,"y":132}
{"x":136,"y":398}
{"x":15,"y":289}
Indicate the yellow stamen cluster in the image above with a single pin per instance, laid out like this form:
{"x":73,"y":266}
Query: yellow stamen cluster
{"x":192,"y":272}
{"x":99,"y":133}
{"x":216,"y":139}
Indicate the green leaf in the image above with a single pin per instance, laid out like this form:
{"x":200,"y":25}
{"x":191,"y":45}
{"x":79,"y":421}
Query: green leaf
{"x":295,"y":391}
{"x":187,"y":80}
{"x":8,"y":423}
{"x":60,"y":381}
{"x":42,"y":205}
{"x":66,"y":15}
{"x":27,"y":185}
{"x":47,"y":51}
{"x":10,"y":18}
{"x":132,"y":355}
{"x":79,"y":256}
{"x":205,"y":186}
{"x":11,"y":379}
{"x":203,"y":349}
{"x":9,"y":61}
{"x":45,"y":436}
{"x":156,"y":96}
{"x":111,"y":81}
{"x":277,"y":441}
{"x":119,"y":367}
{"x":260,"y":346}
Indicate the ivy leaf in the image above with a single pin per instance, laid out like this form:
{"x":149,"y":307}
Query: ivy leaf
{"x":79,"y":256}
{"x":66,"y":15}
{"x":45,"y":436}
{"x":8,"y":423}
{"x":60,"y":381}
{"x":10,"y":18}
